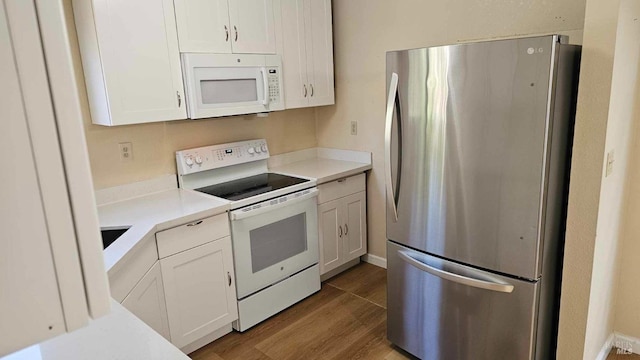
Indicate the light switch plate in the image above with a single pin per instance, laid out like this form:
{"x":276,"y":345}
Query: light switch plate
{"x":610,"y":161}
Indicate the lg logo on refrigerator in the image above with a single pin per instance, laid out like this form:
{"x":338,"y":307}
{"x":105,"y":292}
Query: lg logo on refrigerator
{"x":532,"y":51}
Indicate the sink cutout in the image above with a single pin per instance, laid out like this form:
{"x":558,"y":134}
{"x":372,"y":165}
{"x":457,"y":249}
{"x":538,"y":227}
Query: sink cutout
{"x":111,"y":235}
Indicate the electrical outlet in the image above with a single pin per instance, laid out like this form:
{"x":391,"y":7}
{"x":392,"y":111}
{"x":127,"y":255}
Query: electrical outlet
{"x":126,"y":151}
{"x":354,"y":128}
{"x":610,"y":161}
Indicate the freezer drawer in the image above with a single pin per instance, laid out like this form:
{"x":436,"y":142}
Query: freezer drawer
{"x":441,"y":310}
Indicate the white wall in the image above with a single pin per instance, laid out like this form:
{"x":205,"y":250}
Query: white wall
{"x":604,"y":123}
{"x":627,"y":309}
{"x":600,"y":321}
{"x":365,"y":29}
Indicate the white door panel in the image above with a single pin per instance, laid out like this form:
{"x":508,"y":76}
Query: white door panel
{"x":203,"y":26}
{"x":141,"y":63}
{"x":146,"y":301}
{"x":252,"y":23}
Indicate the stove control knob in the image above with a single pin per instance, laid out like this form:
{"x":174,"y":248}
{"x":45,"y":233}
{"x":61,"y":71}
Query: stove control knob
{"x":199,"y":160}
{"x":250,"y":151}
{"x":189,"y":161}
{"x":264,"y":148}
{"x":257,"y":148}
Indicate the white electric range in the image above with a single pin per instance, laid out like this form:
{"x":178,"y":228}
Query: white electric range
{"x":274,"y":224}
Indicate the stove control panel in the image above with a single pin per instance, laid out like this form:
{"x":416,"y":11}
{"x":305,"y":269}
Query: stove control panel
{"x":218,"y":156}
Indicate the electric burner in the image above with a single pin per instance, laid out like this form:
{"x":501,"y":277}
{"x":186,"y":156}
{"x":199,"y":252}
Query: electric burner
{"x":250,"y":186}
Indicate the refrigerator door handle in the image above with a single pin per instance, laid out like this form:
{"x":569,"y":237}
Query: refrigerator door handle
{"x":460,"y":279}
{"x":391,"y":102}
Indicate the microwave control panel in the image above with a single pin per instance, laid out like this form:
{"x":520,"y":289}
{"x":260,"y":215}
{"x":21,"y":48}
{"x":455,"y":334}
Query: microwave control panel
{"x":274,"y":84}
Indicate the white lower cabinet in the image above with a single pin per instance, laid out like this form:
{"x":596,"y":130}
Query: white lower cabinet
{"x":199,"y":290}
{"x":147,"y":302}
{"x":342,"y":223}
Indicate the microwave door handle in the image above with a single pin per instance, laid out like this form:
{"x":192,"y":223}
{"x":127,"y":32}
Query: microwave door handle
{"x":265,"y":87}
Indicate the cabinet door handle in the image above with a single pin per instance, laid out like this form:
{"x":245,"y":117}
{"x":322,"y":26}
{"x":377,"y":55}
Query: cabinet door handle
{"x":179,"y":98}
{"x":346,"y":229}
{"x":311,"y":86}
{"x":226,"y":30}
{"x":236,"y":31}
{"x":305,"y":90}
{"x":195,"y":223}
{"x":340,"y":231}
{"x":229,"y":278}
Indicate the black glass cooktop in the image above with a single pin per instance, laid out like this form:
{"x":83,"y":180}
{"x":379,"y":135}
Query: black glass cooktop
{"x":251,"y":186}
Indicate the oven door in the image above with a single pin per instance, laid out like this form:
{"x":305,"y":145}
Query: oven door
{"x":274,"y":242}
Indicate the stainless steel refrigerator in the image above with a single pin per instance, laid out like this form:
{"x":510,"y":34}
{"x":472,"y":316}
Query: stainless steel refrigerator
{"x":477,"y":145}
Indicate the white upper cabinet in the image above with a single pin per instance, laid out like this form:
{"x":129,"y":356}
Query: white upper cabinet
{"x":131,"y":60}
{"x":226,"y":26}
{"x":305,"y":41}
{"x":253,"y":30}
{"x":319,"y":35}
{"x":203,"y":26}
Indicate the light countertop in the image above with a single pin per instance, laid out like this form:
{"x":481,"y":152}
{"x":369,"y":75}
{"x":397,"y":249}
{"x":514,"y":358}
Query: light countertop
{"x":153,"y":213}
{"x":118,"y":335}
{"x":321,"y":164}
{"x":323,"y":170}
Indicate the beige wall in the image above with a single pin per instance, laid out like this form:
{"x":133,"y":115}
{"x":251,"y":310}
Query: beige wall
{"x":365,"y":29}
{"x":154,"y":145}
{"x":627,"y":310}
{"x":604,"y":123}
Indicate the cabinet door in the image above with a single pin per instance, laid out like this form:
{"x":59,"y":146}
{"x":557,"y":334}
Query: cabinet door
{"x":355,"y":225}
{"x":203,"y":26}
{"x":138,"y":45}
{"x":320,"y":40}
{"x":294,"y":54}
{"x":330,"y":235}
{"x":199,"y":290}
{"x":253,"y":30}
{"x":146,"y":301}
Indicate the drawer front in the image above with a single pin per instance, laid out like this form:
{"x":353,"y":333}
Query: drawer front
{"x":140,"y":261}
{"x":341,"y":188}
{"x":190,"y":235}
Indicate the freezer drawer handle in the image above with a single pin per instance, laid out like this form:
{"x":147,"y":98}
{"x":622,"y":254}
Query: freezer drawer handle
{"x":464,"y":280}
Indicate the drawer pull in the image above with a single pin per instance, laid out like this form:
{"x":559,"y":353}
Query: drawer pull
{"x":340,"y":231}
{"x":342,"y":180}
{"x":195,"y":223}
{"x":229,"y":277}
{"x":346,"y":229}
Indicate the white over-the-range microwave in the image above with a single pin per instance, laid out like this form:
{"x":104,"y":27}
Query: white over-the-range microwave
{"x":231,"y":84}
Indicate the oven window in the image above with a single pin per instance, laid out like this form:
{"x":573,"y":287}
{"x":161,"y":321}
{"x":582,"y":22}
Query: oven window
{"x":278,"y":241}
{"x":228,"y":91}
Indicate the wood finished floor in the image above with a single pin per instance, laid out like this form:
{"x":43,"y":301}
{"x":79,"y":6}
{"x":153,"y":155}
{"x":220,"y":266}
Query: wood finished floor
{"x":346,"y":319}
{"x":613,"y":355}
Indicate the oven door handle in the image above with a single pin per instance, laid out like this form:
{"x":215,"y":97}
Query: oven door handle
{"x":266,"y":207}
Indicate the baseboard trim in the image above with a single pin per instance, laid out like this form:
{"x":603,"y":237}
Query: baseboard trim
{"x":625,"y":344}
{"x":606,"y":348}
{"x":375,"y":260}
